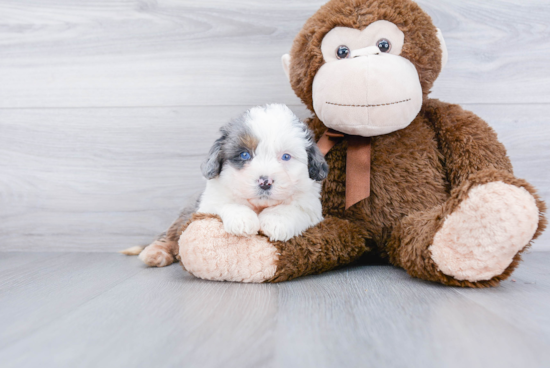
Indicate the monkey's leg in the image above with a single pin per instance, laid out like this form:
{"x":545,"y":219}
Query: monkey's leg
{"x":163,"y":251}
{"x":159,"y":253}
{"x":208,"y":252}
{"x":476,"y":237}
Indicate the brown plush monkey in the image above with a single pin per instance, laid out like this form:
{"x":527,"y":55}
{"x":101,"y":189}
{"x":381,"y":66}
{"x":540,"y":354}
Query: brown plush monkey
{"x":443,"y":202}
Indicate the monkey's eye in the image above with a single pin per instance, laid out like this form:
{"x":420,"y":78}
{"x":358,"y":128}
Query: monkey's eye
{"x":286,"y":157}
{"x":245,"y":156}
{"x":384,"y":45}
{"x":342,"y":52}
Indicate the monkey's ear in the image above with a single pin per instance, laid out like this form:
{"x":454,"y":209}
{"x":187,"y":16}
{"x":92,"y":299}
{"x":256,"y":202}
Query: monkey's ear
{"x":444,"y":52}
{"x":212,"y":166}
{"x":286,"y":65}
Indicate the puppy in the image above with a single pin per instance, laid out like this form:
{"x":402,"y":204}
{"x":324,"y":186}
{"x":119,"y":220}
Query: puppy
{"x":264,"y":173}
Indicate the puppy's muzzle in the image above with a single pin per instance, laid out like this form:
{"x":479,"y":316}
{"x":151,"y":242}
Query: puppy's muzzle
{"x":265,"y":183}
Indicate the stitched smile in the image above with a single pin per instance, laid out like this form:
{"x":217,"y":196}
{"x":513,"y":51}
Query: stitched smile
{"x":385,"y":104}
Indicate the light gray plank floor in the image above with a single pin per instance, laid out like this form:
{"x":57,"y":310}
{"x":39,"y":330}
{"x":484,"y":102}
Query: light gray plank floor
{"x":107,"y":310}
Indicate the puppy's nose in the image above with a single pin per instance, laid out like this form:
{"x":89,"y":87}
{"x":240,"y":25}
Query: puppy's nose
{"x":265,"y":183}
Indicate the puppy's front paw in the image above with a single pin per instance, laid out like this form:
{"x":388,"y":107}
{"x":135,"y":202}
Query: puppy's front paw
{"x":242,"y":222}
{"x":277,"y":226}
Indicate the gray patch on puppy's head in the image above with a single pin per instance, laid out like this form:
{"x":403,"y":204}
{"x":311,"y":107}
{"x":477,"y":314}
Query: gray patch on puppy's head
{"x":236,"y":138}
{"x":240,"y":139}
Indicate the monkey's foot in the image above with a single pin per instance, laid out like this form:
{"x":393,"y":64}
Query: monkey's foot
{"x":207,"y":251}
{"x":481,"y":237}
{"x":157,"y":254}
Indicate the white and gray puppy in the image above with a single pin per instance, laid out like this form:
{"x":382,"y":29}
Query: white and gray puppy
{"x":264,"y":173}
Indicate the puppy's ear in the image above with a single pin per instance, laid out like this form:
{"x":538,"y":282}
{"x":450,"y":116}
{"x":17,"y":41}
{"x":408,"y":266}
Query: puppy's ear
{"x":212,"y":166}
{"x":317,"y":166}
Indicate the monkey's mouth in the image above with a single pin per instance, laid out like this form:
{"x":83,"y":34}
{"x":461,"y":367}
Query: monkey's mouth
{"x":377,"y":105}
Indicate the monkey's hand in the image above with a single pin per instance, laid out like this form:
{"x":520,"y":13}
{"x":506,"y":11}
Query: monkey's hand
{"x":209,"y":252}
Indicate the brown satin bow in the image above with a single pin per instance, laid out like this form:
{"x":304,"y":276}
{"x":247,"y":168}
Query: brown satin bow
{"x":357,"y":163}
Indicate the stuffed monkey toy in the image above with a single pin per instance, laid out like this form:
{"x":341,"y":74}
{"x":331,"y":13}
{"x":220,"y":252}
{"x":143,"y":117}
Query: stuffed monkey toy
{"x":413,"y":181}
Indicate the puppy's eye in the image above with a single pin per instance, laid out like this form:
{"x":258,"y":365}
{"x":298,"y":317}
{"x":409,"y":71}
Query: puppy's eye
{"x":384,"y":45}
{"x":286,"y":157}
{"x":342,"y":52}
{"x":245,"y":156}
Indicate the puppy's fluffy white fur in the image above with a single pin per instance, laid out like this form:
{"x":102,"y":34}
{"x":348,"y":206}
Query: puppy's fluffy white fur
{"x":292,"y":203}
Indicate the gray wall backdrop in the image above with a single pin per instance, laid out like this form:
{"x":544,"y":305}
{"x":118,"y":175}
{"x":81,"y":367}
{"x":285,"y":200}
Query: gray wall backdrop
{"x":107,"y":107}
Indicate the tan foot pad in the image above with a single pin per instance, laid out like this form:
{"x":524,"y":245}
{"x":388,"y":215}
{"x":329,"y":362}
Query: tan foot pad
{"x":208,"y":252}
{"x":155,"y":255}
{"x":480,"y":239}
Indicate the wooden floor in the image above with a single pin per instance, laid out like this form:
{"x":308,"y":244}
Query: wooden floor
{"x":108,"y":310}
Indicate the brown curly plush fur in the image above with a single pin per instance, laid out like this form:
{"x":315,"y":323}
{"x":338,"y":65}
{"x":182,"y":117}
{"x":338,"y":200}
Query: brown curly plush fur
{"x":419,"y":175}
{"x":334,"y":242}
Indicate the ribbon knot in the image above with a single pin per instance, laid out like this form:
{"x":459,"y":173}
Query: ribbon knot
{"x":357,"y":163}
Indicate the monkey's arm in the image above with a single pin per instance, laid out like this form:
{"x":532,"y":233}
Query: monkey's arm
{"x":332,"y":243}
{"x":468,"y":143}
{"x":207,"y":251}
{"x":476,"y":237}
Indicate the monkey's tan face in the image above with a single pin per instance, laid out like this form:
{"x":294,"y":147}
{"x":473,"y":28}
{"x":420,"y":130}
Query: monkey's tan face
{"x":365,"y":88}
